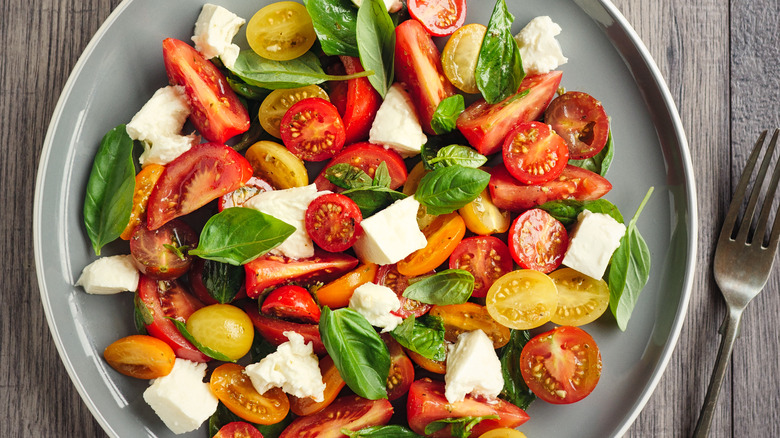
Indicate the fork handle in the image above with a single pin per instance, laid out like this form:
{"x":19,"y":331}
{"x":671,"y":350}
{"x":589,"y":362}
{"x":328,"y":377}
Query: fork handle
{"x":730,"y":333}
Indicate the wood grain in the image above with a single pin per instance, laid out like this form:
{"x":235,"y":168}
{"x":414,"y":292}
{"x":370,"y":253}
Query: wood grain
{"x":720,"y":60}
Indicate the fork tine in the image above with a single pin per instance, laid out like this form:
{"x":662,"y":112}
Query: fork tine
{"x":736,"y":201}
{"x":758,"y":236}
{"x":747,"y":218}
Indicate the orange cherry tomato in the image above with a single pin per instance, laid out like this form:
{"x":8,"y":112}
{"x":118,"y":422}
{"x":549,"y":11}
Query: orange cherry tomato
{"x":443,"y":235}
{"x":333,"y":385}
{"x":235,"y":390}
{"x":427,"y":364}
{"x":466,"y":317}
{"x":338,"y":292}
{"x":144,"y":183}
{"x":140,"y":356}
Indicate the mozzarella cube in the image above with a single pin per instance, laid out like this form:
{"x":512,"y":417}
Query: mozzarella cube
{"x":293,"y":367}
{"x":289,"y":205}
{"x":375,"y":303}
{"x":473,"y":367}
{"x":396,"y":125}
{"x":391,"y":234}
{"x":181,"y":399}
{"x":110,"y":275}
{"x":594,"y":239}
{"x":392,"y":5}
{"x":214,"y":32}
{"x":540,"y":51}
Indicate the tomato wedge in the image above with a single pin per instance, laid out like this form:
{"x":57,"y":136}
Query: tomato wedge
{"x":467,"y":317}
{"x":235,"y":390}
{"x":366,"y":157}
{"x":272,"y":329}
{"x":291,"y":302}
{"x":486,"y":257}
{"x":312,"y":129}
{"x":333,"y":222}
{"x":439,"y":17}
{"x":538,"y":241}
{"x":348,"y":412}
{"x":356,"y":99}
{"x":388,"y":275}
{"x":338,"y":292}
{"x":195,"y":178}
{"x":534,"y":154}
{"x":216,"y":111}
{"x":581,"y":121}
{"x":144,"y":183}
{"x":443,"y":235}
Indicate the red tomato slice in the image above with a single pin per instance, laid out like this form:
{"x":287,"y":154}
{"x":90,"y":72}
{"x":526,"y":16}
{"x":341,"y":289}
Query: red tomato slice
{"x":356,"y":99}
{"x":439,"y":17}
{"x":538,"y":241}
{"x":573,"y":183}
{"x":348,"y":412}
{"x":427,"y":404}
{"x":486,"y":125}
{"x":272,"y":270}
{"x":292,"y":302}
{"x":151,"y":253}
{"x":366,"y":157}
{"x":388,"y":275}
{"x":581,"y":121}
{"x":195,"y":178}
{"x":167,"y":299}
{"x":534,"y":154}
{"x":216,"y":111}
{"x":333,"y":222}
{"x":401,"y":369}
{"x":561,"y":366}
{"x":312,"y":129}
{"x":272,"y":329}
{"x":486,"y":257}
{"x":237,"y":197}
{"x":238,"y":429}
{"x":418,"y":65}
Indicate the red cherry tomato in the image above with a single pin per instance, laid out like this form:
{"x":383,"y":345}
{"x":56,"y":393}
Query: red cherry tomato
{"x":418,"y":65}
{"x":272,"y":329}
{"x":238,"y":429}
{"x":312,"y":129}
{"x":195,"y":178}
{"x":237,"y":197}
{"x":292,"y":302}
{"x":216,"y":111}
{"x":367,"y":157}
{"x":561,"y":366}
{"x":538,"y":241}
{"x":401,"y":369}
{"x":439,"y":17}
{"x":534,"y":154}
{"x":333,"y":222}
{"x":573,"y":183}
{"x":581,"y":121}
{"x":356,"y":99}
{"x":388,"y":275}
{"x":349,"y":412}
{"x":162,"y":253}
{"x":167,"y":299}
{"x":486,"y":257}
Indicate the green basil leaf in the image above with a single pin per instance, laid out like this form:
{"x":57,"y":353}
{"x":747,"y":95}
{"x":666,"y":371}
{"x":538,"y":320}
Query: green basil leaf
{"x":265,"y":73}
{"x":423,"y":335}
{"x":499,"y":69}
{"x":347,"y":176}
{"x":600,"y":162}
{"x":391,"y":431}
{"x":239,"y":235}
{"x":515,"y":389}
{"x":243,"y":89}
{"x":142,"y":316}
{"x":567,"y":210}
{"x":382,"y":176}
{"x":222,"y":280}
{"x":373,"y":198}
{"x":358,"y":352}
{"x":214,"y":354}
{"x":109,"y":197}
{"x":457,"y":154}
{"x":335,"y":23}
{"x":605,"y":207}
{"x":451,"y":286}
{"x":223,"y":416}
{"x":446,"y":115}
{"x":376,"y":43}
{"x":449,"y":188}
{"x":461,"y":426}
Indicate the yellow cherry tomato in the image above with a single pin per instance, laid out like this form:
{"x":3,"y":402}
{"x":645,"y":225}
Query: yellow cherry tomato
{"x":459,"y":57}
{"x":581,"y":299}
{"x":483,"y":217}
{"x":273,"y":163}
{"x":281,"y":31}
{"x":279,"y":101}
{"x":222,"y":328}
{"x":522,"y":299}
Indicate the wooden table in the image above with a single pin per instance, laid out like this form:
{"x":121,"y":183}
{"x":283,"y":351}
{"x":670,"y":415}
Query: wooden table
{"x":720,"y":59}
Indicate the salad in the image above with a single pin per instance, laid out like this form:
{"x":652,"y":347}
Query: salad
{"x":401,"y":291}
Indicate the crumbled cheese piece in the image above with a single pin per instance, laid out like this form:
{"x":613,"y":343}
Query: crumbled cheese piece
{"x":214,"y":32}
{"x":376,"y":303}
{"x":473,"y":367}
{"x":396,"y":125}
{"x":110,"y":275}
{"x":540,"y":51}
{"x":595,"y":237}
{"x":391,"y":234}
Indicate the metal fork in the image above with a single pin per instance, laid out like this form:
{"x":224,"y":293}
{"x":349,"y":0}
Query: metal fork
{"x":743,"y":262}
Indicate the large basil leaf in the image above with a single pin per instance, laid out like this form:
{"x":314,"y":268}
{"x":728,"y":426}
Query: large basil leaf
{"x":446,"y":115}
{"x":423,"y":335}
{"x":451,"y":286}
{"x":449,"y":188}
{"x":515,"y":390}
{"x":335,"y":23}
{"x":461,"y":426}
{"x":600,"y":162}
{"x":567,"y":210}
{"x":239,"y":235}
{"x":456,"y":154}
{"x":214,"y":354}
{"x":222,"y":280}
{"x":359,"y":354}
{"x":376,"y":43}
{"x":223,"y":416}
{"x":499,"y":69}
{"x":299,"y":72}
{"x":109,"y":198}
{"x":391,"y":431}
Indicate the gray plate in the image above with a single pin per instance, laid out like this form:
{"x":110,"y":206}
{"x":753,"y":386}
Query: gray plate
{"x":122,"y":67}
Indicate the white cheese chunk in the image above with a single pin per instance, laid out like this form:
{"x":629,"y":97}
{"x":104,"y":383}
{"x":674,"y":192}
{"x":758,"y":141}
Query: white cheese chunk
{"x":375,"y":303}
{"x":110,"y":275}
{"x":289,"y":206}
{"x":540,"y":51}
{"x":293,"y":367}
{"x":392,"y":5}
{"x":396,"y":125}
{"x":391,"y":234}
{"x":181,"y":399}
{"x":158,"y":125}
{"x":214,"y":32}
{"x":595,"y":237}
{"x":473,"y":368}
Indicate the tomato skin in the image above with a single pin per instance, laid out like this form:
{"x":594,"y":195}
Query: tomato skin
{"x":333,"y":385}
{"x":237,"y":197}
{"x":534,"y":154}
{"x":486,"y":125}
{"x":538,"y":241}
{"x":570,"y":365}
{"x":483,"y":217}
{"x":238,"y":429}
{"x":140,"y":356}
{"x":429,"y":365}
{"x":234,"y":389}
{"x":356,"y":99}
{"x":153,"y":258}
{"x":292,"y":302}
{"x":272,"y":270}
{"x":466,"y":317}
{"x":401,"y":373}
{"x":418,"y":65}
{"x":274,"y":163}
{"x":223,"y":328}
{"x":581,"y":121}
{"x":366,"y":157}
{"x":427,"y":403}
{"x":144,"y":183}
{"x":348,"y":412}
{"x":332,"y":221}
{"x":573,"y":183}
{"x":198,"y":176}
{"x":277,"y":103}
{"x":522,"y":299}
{"x":281,"y":31}
{"x":439,"y":17}
{"x":312,"y":129}
{"x":388,"y":275}
{"x":338,"y":292}
{"x":486,"y":257}
{"x":272,"y":329}
{"x":581,"y":299}
{"x":443,"y":236}
{"x":216,"y":111}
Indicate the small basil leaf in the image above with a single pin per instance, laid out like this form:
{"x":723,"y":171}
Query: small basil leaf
{"x":265,"y":73}
{"x":372,"y":199}
{"x":449,"y":188}
{"x":245,"y":90}
{"x":461,"y":426}
{"x":335,"y":23}
{"x":499,"y":69}
{"x":515,"y":389}
{"x":239,"y":235}
{"x":423,"y":335}
{"x":142,"y":316}
{"x":451,"y":286}
{"x":376,"y":43}
{"x":600,"y":162}
{"x":567,"y":210}
{"x":347,"y":176}
{"x":222,"y":280}
{"x":382,"y":176}
{"x":359,"y":354}
{"x":457,"y":154}
{"x":203,"y":349}
{"x":605,"y":207}
{"x":109,"y":197}
{"x":391,"y":431}
{"x":446,"y":114}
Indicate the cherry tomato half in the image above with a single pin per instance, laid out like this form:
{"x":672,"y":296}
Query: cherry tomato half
{"x":581,"y":299}
{"x":140,"y":356}
{"x":439,"y":17}
{"x":144,"y":183}
{"x":235,"y":390}
{"x":388,"y":275}
{"x":162,"y":253}
{"x":366,"y":157}
{"x":467,"y":317}
{"x":356,"y":99}
{"x":522,"y":299}
{"x":279,"y":101}
{"x":281,"y":31}
{"x":238,"y":429}
{"x":274,"y":163}
{"x":222,"y":328}
{"x":486,"y":257}
{"x":312,"y":129}
{"x":348,"y":412}
{"x":272,"y":270}
{"x":538,"y":241}
{"x":483,"y":217}
{"x":333,"y":222}
{"x":460,"y":54}
{"x":292,"y":302}
{"x":534,"y":154}
{"x":581,"y":121}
